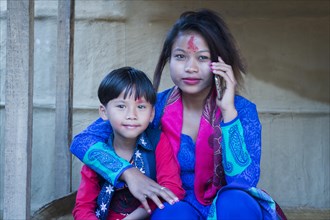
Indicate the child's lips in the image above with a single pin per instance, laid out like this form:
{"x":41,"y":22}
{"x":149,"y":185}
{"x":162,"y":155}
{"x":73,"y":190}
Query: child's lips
{"x":131,"y":126}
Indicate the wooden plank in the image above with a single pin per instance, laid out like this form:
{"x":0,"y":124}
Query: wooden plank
{"x":18,"y":109}
{"x":64,"y":92}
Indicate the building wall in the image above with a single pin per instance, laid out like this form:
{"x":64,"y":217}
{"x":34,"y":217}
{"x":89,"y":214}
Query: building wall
{"x":286,"y":45}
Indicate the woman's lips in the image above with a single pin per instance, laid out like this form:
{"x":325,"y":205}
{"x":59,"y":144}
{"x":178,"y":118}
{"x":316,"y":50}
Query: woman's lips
{"x":191,"y":81}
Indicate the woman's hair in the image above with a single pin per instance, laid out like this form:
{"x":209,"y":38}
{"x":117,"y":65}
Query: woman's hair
{"x":130,"y":81}
{"x":217,"y":35}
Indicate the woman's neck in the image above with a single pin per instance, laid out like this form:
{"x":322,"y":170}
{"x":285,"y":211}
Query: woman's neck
{"x":193,"y":101}
{"x":192,"y":112}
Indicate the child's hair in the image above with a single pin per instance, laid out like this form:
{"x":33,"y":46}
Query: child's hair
{"x":129,"y":80}
{"x":216,"y":34}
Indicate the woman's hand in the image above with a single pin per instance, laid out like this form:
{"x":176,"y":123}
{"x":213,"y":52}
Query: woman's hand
{"x":226,"y":103}
{"x":139,"y":213}
{"x":142,"y":187}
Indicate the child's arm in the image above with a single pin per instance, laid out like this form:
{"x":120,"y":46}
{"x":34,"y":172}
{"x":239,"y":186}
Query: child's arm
{"x":139,"y":213}
{"x":87,"y":193}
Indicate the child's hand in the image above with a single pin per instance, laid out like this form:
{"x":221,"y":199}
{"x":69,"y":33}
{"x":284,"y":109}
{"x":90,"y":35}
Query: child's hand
{"x":226,"y":104}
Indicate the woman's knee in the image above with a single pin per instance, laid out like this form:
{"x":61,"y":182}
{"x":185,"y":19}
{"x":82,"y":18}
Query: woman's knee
{"x":180,"y":210}
{"x":237,"y":204}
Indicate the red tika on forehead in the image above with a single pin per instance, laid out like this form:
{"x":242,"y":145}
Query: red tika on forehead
{"x":191,"y":44}
{"x":139,"y":100}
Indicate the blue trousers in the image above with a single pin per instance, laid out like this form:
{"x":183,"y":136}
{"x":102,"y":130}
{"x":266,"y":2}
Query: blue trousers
{"x":231,"y":205}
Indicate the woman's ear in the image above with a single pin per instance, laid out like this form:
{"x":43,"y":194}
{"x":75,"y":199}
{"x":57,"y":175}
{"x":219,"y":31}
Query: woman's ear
{"x":103,"y":112}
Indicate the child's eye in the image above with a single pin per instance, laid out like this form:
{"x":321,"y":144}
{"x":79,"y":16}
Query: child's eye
{"x":120,"y":106}
{"x":142,"y":107}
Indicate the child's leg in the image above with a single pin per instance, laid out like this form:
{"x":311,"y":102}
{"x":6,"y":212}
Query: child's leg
{"x":237,"y":204}
{"x":180,"y":210}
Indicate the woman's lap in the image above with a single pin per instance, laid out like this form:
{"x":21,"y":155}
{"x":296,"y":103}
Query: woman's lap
{"x":231,"y":204}
{"x":237,"y":204}
{"x":180,"y":210}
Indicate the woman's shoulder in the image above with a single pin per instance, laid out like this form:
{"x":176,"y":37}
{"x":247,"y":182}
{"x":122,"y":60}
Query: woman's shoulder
{"x":161,"y":101}
{"x":162,"y":96}
{"x":159,"y":106}
{"x":242,"y":102}
{"x":247,"y":110}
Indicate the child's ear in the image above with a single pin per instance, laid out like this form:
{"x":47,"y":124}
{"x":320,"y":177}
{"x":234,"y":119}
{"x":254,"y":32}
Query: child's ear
{"x":103,"y":112}
{"x":152,"y":114}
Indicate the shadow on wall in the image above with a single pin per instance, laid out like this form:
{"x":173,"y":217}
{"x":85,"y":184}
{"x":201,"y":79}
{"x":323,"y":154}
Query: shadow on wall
{"x":308,"y":83}
{"x":289,"y":52}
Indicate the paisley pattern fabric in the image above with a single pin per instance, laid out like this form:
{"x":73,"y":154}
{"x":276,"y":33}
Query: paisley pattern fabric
{"x":220,"y":177}
{"x":124,"y":201}
{"x":235,"y":156}
{"x":187,"y":160}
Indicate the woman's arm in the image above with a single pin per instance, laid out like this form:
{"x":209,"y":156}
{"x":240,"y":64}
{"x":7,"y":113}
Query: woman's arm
{"x":87,"y":193}
{"x":139,"y":213}
{"x":91,"y":148}
{"x":241,"y":144}
{"x":241,"y":131}
{"x":169,"y":183}
{"x":98,"y":131}
{"x":145,"y":189}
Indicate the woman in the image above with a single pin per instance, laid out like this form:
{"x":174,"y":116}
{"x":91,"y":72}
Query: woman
{"x":216,"y":137}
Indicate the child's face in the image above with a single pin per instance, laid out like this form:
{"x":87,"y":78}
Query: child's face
{"x":190,"y":64}
{"x":128,"y":117}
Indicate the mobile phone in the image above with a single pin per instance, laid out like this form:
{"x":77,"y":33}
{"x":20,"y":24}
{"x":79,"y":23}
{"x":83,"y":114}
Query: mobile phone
{"x":218,"y":86}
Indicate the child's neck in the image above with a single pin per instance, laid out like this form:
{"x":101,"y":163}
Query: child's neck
{"x":124,"y":147}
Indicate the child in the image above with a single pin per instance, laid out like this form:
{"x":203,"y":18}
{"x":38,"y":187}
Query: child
{"x":127,"y":101}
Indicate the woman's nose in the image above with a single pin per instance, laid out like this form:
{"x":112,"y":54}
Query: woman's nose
{"x":191,"y":66}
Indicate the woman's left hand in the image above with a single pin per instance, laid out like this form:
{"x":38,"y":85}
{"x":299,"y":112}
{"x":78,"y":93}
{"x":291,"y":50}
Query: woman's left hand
{"x":226,"y":103}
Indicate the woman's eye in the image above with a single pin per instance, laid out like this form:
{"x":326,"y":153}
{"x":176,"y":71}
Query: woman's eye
{"x":203,"y":58}
{"x":179,"y":56}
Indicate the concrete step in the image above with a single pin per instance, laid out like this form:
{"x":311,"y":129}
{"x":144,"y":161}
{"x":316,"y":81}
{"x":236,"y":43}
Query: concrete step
{"x":60,"y":209}
{"x":307,"y":214}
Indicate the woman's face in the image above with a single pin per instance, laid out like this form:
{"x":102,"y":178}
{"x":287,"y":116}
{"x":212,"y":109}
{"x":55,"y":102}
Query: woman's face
{"x":190,"y":64}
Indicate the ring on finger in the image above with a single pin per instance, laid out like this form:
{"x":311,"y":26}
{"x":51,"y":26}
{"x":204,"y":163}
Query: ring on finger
{"x":162,"y":188}
{"x":145,"y":196}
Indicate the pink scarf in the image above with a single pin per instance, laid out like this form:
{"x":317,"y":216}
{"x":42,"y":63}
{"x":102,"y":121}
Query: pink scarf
{"x":209,"y":173}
